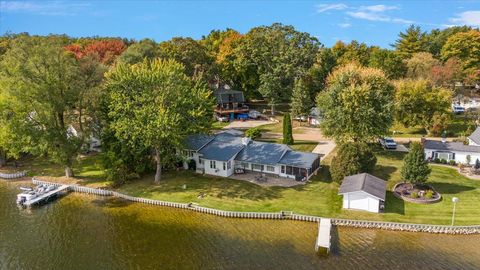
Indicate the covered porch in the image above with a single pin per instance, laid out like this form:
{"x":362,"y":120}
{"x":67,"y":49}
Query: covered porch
{"x":266,"y":179}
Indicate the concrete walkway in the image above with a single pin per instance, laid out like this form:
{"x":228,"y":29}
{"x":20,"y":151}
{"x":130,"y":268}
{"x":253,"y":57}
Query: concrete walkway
{"x":324,"y":148}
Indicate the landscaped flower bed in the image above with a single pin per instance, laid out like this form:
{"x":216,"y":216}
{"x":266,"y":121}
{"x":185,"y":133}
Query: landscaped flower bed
{"x":423,"y":194}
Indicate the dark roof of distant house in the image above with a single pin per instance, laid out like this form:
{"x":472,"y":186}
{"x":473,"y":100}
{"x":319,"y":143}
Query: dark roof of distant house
{"x":475,"y":137}
{"x":223,"y":147}
{"x":223,"y":95}
{"x":262,"y":153}
{"x":364,"y":182}
{"x":450,"y":146}
{"x":196,"y":142}
{"x":298,"y":159}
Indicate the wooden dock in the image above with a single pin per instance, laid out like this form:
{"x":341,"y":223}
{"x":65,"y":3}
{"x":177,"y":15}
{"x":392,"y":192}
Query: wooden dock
{"x":47,"y":195}
{"x":324,"y":237}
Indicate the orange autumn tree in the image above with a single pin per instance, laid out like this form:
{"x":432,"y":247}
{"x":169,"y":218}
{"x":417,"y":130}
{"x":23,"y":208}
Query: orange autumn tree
{"x":106,"y":50}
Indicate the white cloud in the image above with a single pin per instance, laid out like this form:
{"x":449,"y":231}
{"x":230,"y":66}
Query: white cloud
{"x":325,"y":7}
{"x":371,"y":16}
{"x":54,"y":8}
{"x":378,"y":8}
{"x":471,"y":18}
{"x":377,"y":13}
{"x":344,"y":25}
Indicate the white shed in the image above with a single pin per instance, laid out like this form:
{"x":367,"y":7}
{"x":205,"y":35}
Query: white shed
{"x":363,"y":192}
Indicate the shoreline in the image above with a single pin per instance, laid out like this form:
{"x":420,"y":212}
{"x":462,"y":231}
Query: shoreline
{"x":284,"y":215}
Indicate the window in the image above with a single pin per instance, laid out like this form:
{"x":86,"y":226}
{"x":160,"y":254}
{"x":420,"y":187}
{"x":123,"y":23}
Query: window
{"x":200,"y":161}
{"x":229,"y":165}
{"x":224,"y":166}
{"x":245,"y":165}
{"x":270,"y":169}
{"x":443,"y":155}
{"x":289,"y":170}
{"x":190,"y":154}
{"x":257,"y":167}
{"x":213,"y":165}
{"x":283,"y":169}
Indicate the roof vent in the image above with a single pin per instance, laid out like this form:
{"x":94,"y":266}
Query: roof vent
{"x":246,"y":140}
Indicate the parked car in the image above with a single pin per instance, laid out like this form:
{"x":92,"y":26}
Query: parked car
{"x":458,"y":109}
{"x":254,"y":114}
{"x":222,"y":118}
{"x":388,"y":143}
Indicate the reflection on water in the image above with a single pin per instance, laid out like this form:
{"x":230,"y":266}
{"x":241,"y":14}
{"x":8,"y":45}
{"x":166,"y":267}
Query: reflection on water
{"x":89,"y":232}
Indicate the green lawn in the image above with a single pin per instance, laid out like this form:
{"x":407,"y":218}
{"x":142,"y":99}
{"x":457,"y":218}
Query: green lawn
{"x":299,"y":145}
{"x":318,"y":197}
{"x":219,"y":125}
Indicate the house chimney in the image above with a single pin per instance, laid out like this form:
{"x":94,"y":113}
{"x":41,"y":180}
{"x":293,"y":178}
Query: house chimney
{"x":246,"y":140}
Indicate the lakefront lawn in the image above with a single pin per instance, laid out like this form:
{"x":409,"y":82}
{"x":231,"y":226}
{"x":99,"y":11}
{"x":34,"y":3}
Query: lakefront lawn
{"x":318,"y":197}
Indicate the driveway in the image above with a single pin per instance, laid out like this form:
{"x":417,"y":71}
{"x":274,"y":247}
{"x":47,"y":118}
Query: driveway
{"x":247,"y":124}
{"x":324,"y":148}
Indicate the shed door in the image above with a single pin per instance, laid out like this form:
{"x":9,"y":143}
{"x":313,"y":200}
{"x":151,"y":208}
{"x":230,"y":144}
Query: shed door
{"x":359,"y":201}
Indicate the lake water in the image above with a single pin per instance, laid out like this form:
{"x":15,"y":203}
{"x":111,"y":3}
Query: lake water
{"x":89,"y":232}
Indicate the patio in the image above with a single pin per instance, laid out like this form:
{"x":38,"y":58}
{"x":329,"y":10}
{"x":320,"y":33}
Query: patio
{"x":265,"y":179}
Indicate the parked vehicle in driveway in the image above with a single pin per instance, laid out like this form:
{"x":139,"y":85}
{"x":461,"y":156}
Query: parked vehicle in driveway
{"x":458,"y":109}
{"x":388,"y":143}
{"x":221,"y":118}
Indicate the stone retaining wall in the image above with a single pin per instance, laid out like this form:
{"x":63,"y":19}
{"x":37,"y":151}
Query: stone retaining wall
{"x":394,"y":226}
{"x":13,"y":175}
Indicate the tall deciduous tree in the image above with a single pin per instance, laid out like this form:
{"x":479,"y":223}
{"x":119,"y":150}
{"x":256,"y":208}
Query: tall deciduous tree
{"x":466,"y":47}
{"x":357,"y":105}
{"x":155,"y":104}
{"x":301,"y":102}
{"x":287,"y":129}
{"x":419,"y":103}
{"x":270,"y":57}
{"x":352,"y":158}
{"x":420,"y":65}
{"x":415,"y":169}
{"x":388,"y":61}
{"x":413,"y":40}
{"x":137,"y":52}
{"x":46,"y":85}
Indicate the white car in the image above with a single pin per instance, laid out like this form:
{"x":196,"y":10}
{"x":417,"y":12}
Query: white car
{"x":388,"y":143}
{"x":458,"y":109}
{"x":221,"y":118}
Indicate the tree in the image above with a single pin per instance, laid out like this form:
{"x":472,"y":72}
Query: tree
{"x":410,"y":42}
{"x":420,"y":65}
{"x":447,"y":73}
{"x":352,"y":158}
{"x":287,"y":129}
{"x":269,"y":58}
{"x":353,"y":52}
{"x":420,"y":103}
{"x":106,"y":50}
{"x":324,"y":63}
{"x":153,"y":103}
{"x":46,"y":85}
{"x":415,"y":169}
{"x":466,"y":47}
{"x":137,"y":52}
{"x":437,"y":38}
{"x":301,"y":102}
{"x":357,"y":105}
{"x":388,"y":61}
{"x":253,"y":133}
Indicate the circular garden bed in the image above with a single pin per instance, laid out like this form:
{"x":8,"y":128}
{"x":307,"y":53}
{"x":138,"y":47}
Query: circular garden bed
{"x":421,"y":194}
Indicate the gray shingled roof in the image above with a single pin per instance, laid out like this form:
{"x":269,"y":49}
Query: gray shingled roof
{"x":364,"y":182}
{"x":475,"y":137}
{"x":224,"y":147}
{"x":298,"y":159}
{"x":195,"y":142}
{"x":262,"y":153}
{"x":450,"y":146}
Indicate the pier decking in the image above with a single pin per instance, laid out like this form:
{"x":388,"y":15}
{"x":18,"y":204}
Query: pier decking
{"x":323,"y":238}
{"x":47,"y":195}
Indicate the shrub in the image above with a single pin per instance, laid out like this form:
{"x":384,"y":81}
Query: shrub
{"x":287,"y":129}
{"x":253,"y":133}
{"x":451,"y":162}
{"x":414,"y":194}
{"x":429,"y":194}
{"x":436,"y":160}
{"x":352,"y":158}
{"x":443,"y":161}
{"x":192,"y":165}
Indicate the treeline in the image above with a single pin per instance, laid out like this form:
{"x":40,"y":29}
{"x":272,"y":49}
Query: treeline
{"x":58,"y":91}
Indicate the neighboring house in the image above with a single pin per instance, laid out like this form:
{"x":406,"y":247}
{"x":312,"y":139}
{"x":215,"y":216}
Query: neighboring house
{"x":465,"y":102}
{"x":230,"y":102}
{"x":92,"y":142}
{"x":456,"y":151}
{"x":222,"y":153}
{"x":363,"y":192}
{"x":474,"y":138}
{"x":314,"y":117}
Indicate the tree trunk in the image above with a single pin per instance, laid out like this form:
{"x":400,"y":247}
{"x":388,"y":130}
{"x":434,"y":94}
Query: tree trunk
{"x":158,"y":173}
{"x":273,"y":108}
{"x":68,"y":172}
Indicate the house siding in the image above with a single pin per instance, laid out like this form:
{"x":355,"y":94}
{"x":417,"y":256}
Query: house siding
{"x":361,"y":201}
{"x":460,"y":157}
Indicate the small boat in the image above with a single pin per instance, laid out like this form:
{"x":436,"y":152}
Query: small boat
{"x":30,"y":194}
{"x":26,"y":196}
{"x":26,"y":188}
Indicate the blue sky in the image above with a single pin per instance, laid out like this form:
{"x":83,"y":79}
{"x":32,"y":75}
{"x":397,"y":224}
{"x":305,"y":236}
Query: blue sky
{"x":373,"y":22}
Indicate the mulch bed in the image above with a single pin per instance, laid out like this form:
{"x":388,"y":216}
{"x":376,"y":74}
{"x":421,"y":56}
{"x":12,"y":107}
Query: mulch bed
{"x":404,"y":191}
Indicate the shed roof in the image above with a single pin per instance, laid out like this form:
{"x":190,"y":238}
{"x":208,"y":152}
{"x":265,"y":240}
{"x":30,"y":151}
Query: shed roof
{"x":475,"y":136}
{"x":364,"y":182}
{"x":450,"y":146}
{"x":223,"y":147}
{"x":262,"y":153}
{"x":298,"y":159}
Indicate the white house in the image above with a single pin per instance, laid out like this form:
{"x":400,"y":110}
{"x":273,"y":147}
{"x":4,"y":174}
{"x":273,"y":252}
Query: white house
{"x":314,"y":117}
{"x":474,"y":138}
{"x":456,"y":151}
{"x":363,"y":192}
{"x":222,"y":153}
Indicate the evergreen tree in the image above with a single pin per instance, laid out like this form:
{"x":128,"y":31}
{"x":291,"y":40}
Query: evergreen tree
{"x":415,"y":168}
{"x":410,"y":42}
{"x":301,"y":101}
{"x":287,"y":129}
